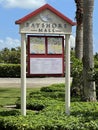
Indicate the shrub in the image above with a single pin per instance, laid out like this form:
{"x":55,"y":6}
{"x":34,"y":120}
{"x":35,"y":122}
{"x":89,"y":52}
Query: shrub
{"x":76,"y":73}
{"x":48,"y":113}
{"x":53,"y":88}
{"x":96,"y":69}
{"x":39,"y":100}
{"x":83,"y":116}
{"x":9,"y":70}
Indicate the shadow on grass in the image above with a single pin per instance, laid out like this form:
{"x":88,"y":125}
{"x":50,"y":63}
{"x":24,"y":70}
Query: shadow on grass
{"x":9,"y":97}
{"x":88,"y":115}
{"x":10,"y":113}
{"x":4,"y":90}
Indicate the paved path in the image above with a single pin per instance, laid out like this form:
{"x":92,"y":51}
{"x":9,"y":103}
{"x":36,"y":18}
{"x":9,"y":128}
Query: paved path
{"x":31,"y":82}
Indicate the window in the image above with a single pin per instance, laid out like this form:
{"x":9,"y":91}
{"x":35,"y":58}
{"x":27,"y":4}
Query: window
{"x":45,"y":45}
{"x":54,"y":45}
{"x":37,"y":45}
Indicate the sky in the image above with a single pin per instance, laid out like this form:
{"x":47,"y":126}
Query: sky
{"x":12,"y":10}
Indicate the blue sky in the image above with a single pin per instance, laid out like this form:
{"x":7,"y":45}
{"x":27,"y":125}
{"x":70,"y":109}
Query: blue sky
{"x":12,"y":10}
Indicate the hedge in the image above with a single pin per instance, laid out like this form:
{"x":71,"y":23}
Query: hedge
{"x":10,"y":70}
{"x":51,"y":116}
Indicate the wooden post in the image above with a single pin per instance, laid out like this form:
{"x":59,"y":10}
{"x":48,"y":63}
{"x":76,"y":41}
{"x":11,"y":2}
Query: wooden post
{"x":23,"y":74}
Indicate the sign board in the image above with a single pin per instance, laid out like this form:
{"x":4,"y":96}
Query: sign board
{"x":46,"y":55}
{"x":45,"y":22}
{"x":46,"y":66}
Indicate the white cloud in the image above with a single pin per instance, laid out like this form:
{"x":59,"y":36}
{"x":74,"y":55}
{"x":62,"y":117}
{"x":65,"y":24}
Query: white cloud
{"x":9,"y":43}
{"x":25,"y":4}
{"x":12,"y":43}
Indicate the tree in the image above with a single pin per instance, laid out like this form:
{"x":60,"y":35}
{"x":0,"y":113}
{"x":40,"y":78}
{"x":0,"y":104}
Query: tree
{"x":79,"y":29}
{"x":4,"y":55}
{"x":76,"y":86}
{"x":10,"y":55}
{"x":88,"y":59}
{"x":14,"y":56}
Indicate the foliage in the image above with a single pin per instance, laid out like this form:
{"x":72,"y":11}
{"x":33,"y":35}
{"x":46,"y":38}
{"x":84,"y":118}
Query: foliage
{"x":9,"y":70}
{"x":96,"y":60}
{"x":11,"y":56}
{"x":77,"y":66}
{"x":95,"y":75}
{"x":76,"y":73}
{"x":43,"y":98}
{"x":10,"y":62}
{"x":53,"y":88}
{"x":84,"y":115}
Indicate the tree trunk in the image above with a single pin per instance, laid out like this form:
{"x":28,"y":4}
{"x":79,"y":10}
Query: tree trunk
{"x":79,"y":42}
{"x":79,"y":29}
{"x":88,"y":61}
{"x":76,"y":86}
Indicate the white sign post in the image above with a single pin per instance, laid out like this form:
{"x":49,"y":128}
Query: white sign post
{"x":23,"y":74}
{"x":67,"y":77}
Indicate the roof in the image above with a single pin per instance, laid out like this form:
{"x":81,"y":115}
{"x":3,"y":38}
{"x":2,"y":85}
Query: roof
{"x":39,"y":10}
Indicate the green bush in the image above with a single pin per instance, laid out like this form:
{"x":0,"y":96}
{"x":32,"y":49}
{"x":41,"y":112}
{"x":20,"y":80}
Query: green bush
{"x":53,"y":88}
{"x":76,"y":73}
{"x":96,"y":69}
{"x":10,"y":70}
{"x":47,"y":112}
{"x":41,"y":99}
{"x":96,"y":77}
{"x":10,"y":56}
{"x":83,"y":116}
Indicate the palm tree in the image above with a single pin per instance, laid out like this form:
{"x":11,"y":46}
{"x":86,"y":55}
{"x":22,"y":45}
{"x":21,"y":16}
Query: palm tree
{"x":79,"y":44}
{"x":88,"y":59}
{"x":79,"y":29}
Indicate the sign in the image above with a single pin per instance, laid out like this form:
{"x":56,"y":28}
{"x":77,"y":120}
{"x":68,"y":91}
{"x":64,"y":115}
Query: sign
{"x":46,"y":55}
{"x":46,"y":66}
{"x":45,"y":27}
{"x":45,"y":22}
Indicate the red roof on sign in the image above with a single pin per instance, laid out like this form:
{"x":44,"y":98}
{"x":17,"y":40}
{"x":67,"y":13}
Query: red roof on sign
{"x":39,"y":10}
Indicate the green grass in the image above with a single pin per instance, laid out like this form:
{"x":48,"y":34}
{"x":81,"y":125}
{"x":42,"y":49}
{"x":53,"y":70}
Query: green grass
{"x":9,"y":96}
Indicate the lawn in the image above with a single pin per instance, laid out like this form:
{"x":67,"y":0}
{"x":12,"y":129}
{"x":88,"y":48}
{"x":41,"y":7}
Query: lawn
{"x":9,"y":96}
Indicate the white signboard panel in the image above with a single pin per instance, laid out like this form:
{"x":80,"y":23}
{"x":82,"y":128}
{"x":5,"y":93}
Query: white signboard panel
{"x":46,"y":66}
{"x":46,"y":22}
